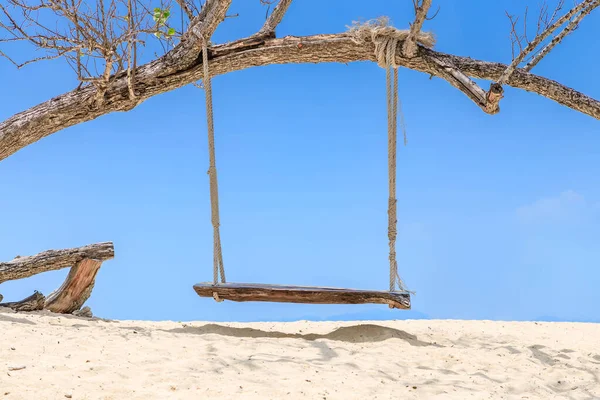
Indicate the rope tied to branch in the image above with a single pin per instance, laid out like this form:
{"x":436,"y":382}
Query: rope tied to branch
{"x":218,"y":267}
{"x":386,"y":40}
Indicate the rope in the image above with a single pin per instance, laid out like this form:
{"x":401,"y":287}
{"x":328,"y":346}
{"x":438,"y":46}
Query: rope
{"x":386,"y":44}
{"x":218,"y":268}
{"x":385,"y":50}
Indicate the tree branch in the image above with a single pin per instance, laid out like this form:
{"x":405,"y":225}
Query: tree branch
{"x":488,"y":103}
{"x":187,"y":51}
{"x":212,"y":14}
{"x":164,"y":75}
{"x":542,"y":36}
{"x":558,"y":38}
{"x":409,"y":49}
{"x":24,"y":267}
{"x":275,"y":18}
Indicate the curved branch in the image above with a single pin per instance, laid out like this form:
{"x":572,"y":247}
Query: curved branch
{"x":165,"y":74}
{"x":76,"y":289}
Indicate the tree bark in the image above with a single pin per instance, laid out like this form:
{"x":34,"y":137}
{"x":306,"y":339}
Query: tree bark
{"x":76,"y":289}
{"x":24,"y":267}
{"x":167,"y":73}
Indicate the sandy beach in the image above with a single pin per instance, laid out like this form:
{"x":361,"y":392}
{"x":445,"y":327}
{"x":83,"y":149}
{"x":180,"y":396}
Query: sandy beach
{"x":45,"y":356}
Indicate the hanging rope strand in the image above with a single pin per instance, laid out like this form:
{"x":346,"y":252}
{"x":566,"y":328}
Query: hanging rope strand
{"x":391,"y":82}
{"x":218,"y":267}
{"x":386,"y":52}
{"x":386,"y":39}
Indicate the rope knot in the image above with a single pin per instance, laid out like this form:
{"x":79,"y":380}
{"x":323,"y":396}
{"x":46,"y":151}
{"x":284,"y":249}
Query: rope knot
{"x":386,"y":39}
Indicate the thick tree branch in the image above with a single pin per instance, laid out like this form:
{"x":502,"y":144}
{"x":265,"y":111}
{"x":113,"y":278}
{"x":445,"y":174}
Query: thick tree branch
{"x":275,"y":18}
{"x":162,"y":75}
{"x":409,"y":49}
{"x":24,"y":267}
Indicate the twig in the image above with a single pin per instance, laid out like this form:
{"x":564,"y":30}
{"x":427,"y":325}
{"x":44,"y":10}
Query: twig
{"x":541,"y":37}
{"x":558,"y":38}
{"x":184,"y":6}
{"x":409,"y":49}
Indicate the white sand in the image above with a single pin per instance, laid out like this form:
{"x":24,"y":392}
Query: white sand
{"x":95,"y":359}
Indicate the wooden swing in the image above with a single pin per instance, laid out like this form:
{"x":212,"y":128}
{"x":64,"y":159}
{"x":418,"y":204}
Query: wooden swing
{"x":397,"y":296}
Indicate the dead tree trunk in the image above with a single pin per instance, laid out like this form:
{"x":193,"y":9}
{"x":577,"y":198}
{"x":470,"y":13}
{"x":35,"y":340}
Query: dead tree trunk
{"x":76,"y":289}
{"x":73,"y":293}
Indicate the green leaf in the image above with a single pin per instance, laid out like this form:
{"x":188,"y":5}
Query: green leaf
{"x":157,"y":15}
{"x":158,"y":34}
{"x":171,"y":31}
{"x":166,"y":13}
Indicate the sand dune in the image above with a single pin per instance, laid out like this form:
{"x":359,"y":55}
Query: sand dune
{"x":44,"y":356}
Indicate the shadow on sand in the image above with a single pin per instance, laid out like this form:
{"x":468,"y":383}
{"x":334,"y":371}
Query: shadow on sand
{"x":362,"y":333}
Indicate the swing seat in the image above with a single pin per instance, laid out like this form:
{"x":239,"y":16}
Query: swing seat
{"x":241,"y":292}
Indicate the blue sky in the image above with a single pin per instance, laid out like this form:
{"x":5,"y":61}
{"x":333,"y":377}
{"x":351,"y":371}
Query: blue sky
{"x":498,"y":215}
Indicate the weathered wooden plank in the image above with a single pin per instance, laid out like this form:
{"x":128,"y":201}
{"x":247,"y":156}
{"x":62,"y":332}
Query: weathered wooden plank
{"x":241,"y":292}
{"x":76,"y":289}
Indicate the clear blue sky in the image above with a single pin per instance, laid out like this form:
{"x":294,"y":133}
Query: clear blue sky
{"x":499,"y":216}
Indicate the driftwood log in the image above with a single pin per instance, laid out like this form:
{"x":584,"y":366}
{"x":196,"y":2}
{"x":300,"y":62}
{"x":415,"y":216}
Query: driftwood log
{"x":32,"y":303}
{"x":24,"y":267}
{"x":73,"y":293}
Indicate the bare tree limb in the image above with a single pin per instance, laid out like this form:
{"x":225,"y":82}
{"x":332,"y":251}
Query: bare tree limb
{"x":542,"y":36}
{"x":558,"y":38}
{"x":24,"y":267}
{"x":462,"y":82}
{"x":409,"y":49}
{"x":152,"y":79}
{"x":275,"y":18}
